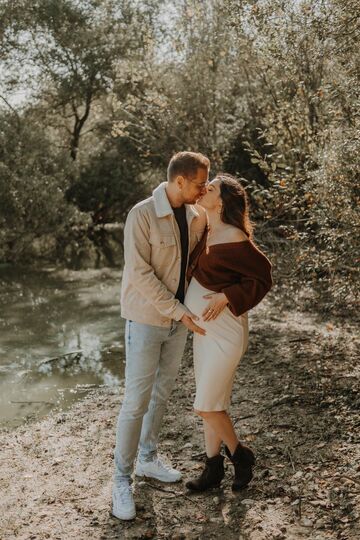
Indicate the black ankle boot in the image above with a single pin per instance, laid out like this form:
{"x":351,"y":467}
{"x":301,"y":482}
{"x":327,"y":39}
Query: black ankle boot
{"x":211,"y":476}
{"x":243,"y":460}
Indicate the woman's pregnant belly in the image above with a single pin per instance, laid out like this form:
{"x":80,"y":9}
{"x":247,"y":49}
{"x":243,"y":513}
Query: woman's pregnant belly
{"x":194,"y":300}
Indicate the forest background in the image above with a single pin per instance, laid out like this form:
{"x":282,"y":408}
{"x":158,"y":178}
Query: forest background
{"x":97,"y":95}
{"x":95,"y":98}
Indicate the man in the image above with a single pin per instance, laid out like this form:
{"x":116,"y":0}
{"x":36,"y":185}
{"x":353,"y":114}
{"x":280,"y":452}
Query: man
{"x":160,"y":232}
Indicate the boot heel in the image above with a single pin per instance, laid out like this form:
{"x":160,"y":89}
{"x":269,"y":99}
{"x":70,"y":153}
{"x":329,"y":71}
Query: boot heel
{"x":211,"y":477}
{"x":242,"y":479}
{"x":243,"y":460}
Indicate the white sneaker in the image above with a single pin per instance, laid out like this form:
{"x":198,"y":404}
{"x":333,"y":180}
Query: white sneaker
{"x":157,"y":469}
{"x":123,"y":501}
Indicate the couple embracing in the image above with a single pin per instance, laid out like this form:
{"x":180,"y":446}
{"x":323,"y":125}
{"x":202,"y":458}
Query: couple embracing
{"x":190,"y":264}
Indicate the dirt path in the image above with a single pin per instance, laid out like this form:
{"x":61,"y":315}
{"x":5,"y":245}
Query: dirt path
{"x":295,"y":401}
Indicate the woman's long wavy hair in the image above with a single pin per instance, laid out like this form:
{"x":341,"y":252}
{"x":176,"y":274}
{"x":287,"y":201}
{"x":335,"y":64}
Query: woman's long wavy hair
{"x":235,"y":209}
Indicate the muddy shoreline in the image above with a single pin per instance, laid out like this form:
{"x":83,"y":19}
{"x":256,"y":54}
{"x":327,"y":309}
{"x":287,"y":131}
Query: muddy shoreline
{"x":295,"y":401}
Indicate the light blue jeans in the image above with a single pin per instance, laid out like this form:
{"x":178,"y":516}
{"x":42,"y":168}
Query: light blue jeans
{"x":153,"y":356}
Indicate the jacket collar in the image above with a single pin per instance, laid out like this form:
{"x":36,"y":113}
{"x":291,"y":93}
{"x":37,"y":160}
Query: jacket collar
{"x":163,"y":206}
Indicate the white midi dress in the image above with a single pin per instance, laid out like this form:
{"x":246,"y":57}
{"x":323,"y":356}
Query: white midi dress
{"x":218,"y":353}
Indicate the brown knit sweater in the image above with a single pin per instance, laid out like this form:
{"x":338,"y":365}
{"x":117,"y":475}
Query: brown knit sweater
{"x":237,"y":269}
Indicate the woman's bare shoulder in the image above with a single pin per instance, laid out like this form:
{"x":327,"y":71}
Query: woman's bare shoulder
{"x":236,"y":235}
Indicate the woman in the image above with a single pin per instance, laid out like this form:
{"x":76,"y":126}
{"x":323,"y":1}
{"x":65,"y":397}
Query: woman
{"x":229,"y":276}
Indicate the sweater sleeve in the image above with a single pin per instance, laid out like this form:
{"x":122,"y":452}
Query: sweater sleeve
{"x":254,"y":283}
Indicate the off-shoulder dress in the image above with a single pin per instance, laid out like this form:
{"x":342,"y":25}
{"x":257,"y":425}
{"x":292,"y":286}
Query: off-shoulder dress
{"x":243,"y":273}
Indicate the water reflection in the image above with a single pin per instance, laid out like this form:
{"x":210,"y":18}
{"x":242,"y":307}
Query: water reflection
{"x":60,"y":334}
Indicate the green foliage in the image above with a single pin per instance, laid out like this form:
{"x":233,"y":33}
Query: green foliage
{"x":193,"y":98}
{"x":268,"y":90}
{"x":110,"y":183}
{"x":33,"y":180}
{"x":305,"y":91}
{"x":75,"y":49}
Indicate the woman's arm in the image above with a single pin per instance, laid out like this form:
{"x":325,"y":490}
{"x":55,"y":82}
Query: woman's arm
{"x":255,"y":281}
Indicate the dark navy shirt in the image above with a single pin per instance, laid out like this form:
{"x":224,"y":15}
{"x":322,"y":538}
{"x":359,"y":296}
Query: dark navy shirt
{"x":180,"y":216}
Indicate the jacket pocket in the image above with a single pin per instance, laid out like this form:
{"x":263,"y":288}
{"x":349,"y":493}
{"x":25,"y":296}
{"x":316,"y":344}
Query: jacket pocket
{"x":163,"y":241}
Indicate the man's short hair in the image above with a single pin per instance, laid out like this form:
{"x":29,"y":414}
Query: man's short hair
{"x":186,"y":164}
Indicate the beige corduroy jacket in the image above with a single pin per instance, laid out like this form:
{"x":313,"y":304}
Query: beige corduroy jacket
{"x":153,"y":259}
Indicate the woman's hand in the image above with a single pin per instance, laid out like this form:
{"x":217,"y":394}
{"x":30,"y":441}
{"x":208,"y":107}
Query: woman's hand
{"x":217,"y":303}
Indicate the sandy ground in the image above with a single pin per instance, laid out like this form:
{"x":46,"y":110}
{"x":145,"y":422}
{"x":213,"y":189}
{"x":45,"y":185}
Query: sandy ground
{"x":295,"y":401}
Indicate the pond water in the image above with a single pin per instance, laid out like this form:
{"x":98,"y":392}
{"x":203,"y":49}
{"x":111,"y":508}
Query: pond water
{"x":61,"y":334}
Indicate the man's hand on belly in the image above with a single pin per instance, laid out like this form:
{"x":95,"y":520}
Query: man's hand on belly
{"x":188,"y":320}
